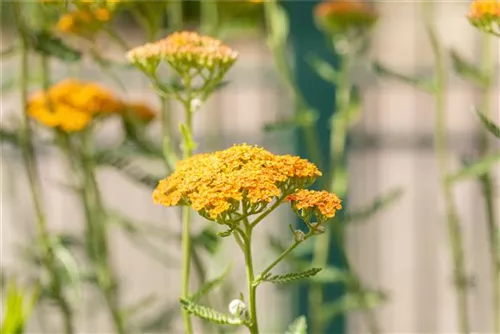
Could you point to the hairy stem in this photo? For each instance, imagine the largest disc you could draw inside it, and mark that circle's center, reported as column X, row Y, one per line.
column 441, row 142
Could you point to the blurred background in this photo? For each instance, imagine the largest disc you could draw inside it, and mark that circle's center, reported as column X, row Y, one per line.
column 402, row 250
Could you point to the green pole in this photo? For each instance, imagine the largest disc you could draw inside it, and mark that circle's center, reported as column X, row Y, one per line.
column 306, row 40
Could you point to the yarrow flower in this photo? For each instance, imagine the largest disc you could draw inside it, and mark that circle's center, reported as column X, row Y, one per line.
column 72, row 104
column 322, row 204
column 345, row 17
column 189, row 54
column 243, row 177
column 485, row 15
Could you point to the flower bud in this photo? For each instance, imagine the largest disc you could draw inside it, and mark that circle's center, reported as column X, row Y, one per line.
column 237, row 308
column 298, row 235
column 317, row 229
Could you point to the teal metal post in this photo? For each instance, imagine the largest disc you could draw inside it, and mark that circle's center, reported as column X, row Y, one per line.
column 305, row 40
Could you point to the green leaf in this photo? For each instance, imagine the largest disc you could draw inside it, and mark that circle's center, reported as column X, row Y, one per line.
column 467, row 70
column 331, row 275
column 298, row 326
column 488, row 124
column 209, row 239
column 476, row 169
column 168, row 153
column 10, row 137
column 69, row 266
column 380, row 203
column 47, row 44
column 290, row 277
column 209, row 314
column 18, row 307
column 324, row 69
column 424, row 84
column 210, row 285
column 278, row 23
column 352, row 302
column 127, row 167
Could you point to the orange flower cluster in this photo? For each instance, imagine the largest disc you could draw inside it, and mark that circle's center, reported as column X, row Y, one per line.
column 322, row 203
column 345, row 16
column 485, row 15
column 215, row 184
column 71, row 104
column 185, row 51
column 84, row 22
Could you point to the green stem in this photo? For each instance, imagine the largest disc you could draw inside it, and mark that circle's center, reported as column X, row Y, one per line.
column 209, row 13
column 339, row 128
column 278, row 48
column 97, row 233
column 175, row 15
column 187, row 150
column 29, row 158
column 487, row 184
column 252, row 289
column 441, row 142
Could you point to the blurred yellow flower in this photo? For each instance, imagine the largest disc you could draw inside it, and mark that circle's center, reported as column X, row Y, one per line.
column 186, row 52
column 71, row 104
column 345, row 16
column 84, row 22
column 242, row 177
column 322, row 203
column 485, row 15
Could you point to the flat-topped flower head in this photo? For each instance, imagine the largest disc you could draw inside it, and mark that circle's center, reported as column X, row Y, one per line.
column 242, row 179
column 191, row 55
column 345, row 17
column 485, row 15
column 321, row 204
column 72, row 104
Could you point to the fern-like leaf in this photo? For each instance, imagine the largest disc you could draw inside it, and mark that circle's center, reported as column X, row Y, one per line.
column 209, row 314
column 290, row 277
column 210, row 285
column 298, row 326
column 488, row 124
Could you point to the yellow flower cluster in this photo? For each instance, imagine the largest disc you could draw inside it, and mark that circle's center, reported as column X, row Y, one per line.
column 185, row 51
column 345, row 16
column 215, row 184
column 83, row 22
column 485, row 15
column 323, row 203
column 71, row 104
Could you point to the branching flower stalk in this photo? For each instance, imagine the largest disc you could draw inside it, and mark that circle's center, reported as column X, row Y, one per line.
column 48, row 257
column 200, row 63
column 231, row 186
column 442, row 152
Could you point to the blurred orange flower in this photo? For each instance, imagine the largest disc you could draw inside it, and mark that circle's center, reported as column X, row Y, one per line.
column 345, row 16
column 84, row 22
column 72, row 104
column 322, row 203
